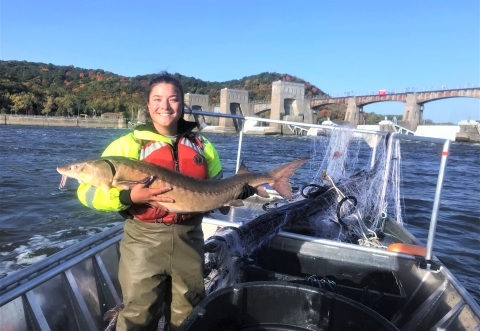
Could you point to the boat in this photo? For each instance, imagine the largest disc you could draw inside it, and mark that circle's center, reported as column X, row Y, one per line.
column 295, row 281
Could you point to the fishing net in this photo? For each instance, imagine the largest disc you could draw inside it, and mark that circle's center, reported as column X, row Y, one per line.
column 354, row 188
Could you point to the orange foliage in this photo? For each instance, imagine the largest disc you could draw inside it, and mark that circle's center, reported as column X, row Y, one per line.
column 326, row 112
column 99, row 77
column 91, row 74
column 81, row 75
column 67, row 83
column 122, row 79
column 67, row 73
column 288, row 78
column 44, row 69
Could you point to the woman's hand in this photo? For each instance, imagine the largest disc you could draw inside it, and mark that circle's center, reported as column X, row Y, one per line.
column 142, row 194
column 247, row 191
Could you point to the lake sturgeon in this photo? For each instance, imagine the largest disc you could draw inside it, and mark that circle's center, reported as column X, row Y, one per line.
column 190, row 195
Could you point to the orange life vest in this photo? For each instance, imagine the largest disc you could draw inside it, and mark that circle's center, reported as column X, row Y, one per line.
column 185, row 156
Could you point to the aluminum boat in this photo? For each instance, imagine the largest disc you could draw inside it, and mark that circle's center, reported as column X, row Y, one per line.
column 74, row 288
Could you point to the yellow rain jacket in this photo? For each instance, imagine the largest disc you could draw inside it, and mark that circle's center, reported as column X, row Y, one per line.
column 129, row 146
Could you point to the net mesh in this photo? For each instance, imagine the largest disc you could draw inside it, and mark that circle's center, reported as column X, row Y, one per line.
column 349, row 198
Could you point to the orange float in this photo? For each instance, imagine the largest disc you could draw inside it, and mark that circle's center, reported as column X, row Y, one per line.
column 407, row 249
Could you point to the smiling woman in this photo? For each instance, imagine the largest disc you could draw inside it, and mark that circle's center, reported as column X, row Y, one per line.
column 165, row 105
column 145, row 279
column 152, row 231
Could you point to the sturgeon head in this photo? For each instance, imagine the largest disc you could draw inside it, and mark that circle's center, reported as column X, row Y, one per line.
column 96, row 172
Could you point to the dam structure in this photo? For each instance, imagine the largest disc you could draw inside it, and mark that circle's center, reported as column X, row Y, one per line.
column 288, row 103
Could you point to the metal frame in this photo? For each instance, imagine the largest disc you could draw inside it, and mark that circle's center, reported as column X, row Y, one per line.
column 444, row 142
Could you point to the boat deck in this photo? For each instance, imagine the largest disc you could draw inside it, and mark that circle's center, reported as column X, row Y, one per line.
column 73, row 289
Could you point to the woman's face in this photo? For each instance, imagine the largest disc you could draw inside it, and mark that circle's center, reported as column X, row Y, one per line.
column 165, row 107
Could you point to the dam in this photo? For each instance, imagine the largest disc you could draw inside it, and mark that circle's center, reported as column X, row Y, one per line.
column 288, row 103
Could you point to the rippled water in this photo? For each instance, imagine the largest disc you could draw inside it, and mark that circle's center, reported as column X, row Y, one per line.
column 37, row 219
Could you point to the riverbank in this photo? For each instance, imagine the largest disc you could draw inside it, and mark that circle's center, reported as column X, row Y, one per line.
column 467, row 131
column 97, row 122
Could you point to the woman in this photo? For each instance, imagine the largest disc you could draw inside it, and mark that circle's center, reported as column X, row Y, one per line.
column 161, row 253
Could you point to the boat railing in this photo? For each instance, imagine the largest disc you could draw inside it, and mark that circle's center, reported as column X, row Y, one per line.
column 445, row 143
column 43, row 270
column 297, row 130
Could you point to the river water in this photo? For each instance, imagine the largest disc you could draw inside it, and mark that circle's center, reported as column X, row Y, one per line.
column 38, row 219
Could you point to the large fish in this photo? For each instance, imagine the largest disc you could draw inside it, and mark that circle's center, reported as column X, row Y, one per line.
column 190, row 195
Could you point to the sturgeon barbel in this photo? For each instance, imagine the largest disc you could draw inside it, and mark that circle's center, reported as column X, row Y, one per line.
column 190, row 195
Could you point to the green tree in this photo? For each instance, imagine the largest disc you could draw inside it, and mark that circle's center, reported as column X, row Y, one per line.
column 65, row 104
column 373, row 118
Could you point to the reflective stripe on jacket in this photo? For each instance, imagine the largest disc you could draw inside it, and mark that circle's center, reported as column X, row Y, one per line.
column 130, row 146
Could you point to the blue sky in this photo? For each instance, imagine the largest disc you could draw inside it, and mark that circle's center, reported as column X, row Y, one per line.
column 340, row 46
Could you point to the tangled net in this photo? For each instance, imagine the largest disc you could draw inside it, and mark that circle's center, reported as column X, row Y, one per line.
column 348, row 200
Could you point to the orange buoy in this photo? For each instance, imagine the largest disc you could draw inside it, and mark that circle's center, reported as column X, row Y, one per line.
column 407, row 249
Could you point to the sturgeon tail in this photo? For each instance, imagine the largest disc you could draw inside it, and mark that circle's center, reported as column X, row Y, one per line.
column 281, row 177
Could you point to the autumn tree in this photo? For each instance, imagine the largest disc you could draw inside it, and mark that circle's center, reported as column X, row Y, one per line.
column 105, row 91
column 48, row 105
column 22, row 101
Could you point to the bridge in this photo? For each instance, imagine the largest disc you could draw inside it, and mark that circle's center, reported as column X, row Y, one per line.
column 288, row 103
column 414, row 103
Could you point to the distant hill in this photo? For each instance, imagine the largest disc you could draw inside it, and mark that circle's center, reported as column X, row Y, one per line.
column 39, row 88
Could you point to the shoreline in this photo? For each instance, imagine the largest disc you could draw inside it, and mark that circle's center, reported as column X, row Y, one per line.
column 465, row 131
column 121, row 123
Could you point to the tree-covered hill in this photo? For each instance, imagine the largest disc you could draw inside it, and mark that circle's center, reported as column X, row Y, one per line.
column 39, row 88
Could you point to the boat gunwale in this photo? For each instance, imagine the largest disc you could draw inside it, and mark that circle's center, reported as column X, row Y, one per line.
column 54, row 264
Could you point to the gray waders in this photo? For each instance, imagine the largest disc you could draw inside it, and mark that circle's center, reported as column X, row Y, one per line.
column 160, row 262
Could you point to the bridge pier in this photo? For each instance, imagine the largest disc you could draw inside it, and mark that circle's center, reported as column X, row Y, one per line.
column 288, row 103
column 352, row 115
column 234, row 102
column 413, row 113
column 198, row 102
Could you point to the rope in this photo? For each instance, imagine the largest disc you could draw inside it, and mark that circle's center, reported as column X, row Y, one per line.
column 374, row 241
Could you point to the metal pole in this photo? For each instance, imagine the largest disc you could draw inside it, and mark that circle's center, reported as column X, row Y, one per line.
column 374, row 152
column 436, row 202
column 240, row 138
